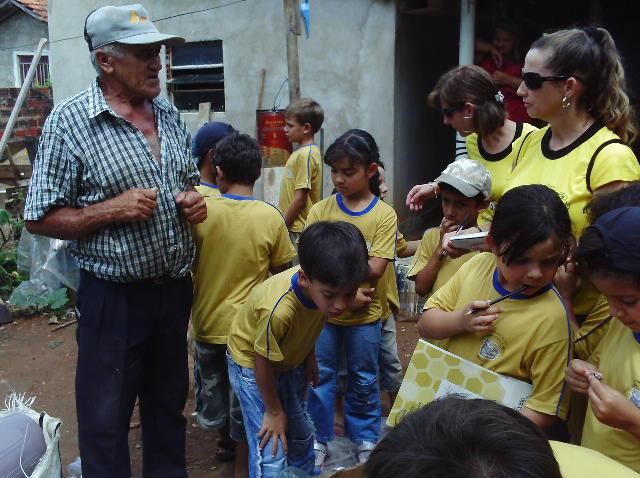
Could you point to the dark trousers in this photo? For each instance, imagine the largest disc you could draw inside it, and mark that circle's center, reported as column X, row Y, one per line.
column 132, row 344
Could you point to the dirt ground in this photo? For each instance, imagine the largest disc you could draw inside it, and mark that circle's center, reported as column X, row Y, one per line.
column 39, row 362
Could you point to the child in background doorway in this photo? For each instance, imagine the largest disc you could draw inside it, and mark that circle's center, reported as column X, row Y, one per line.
column 527, row 337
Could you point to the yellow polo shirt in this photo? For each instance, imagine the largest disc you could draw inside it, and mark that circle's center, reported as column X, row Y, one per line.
column 378, row 224
column 499, row 164
column 592, row 330
column 302, row 171
column 239, row 241
column 618, row 359
column 206, row 189
column 565, row 170
column 579, row 462
column 531, row 340
column 448, row 266
column 278, row 322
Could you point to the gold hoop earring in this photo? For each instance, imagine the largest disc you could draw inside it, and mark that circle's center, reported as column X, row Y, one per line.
column 566, row 102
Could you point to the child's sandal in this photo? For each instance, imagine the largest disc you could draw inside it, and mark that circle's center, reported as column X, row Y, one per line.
column 364, row 450
column 320, row 451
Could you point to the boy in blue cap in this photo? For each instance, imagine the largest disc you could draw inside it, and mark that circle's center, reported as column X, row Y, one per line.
column 203, row 148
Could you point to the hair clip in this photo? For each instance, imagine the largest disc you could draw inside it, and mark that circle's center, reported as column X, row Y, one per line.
column 499, row 97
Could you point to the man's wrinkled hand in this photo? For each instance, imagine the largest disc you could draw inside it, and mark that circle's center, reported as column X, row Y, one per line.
column 135, row 204
column 192, row 205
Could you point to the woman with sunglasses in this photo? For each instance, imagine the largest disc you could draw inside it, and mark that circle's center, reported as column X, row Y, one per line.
column 574, row 80
column 472, row 104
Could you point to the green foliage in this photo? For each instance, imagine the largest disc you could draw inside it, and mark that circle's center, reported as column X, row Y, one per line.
column 10, row 228
column 28, row 301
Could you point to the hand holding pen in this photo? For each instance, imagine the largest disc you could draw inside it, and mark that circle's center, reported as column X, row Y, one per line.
column 464, row 222
column 480, row 315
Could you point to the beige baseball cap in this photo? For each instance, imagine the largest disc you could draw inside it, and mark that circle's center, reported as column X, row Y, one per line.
column 467, row 176
column 129, row 24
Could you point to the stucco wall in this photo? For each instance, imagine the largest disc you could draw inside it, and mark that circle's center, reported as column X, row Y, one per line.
column 17, row 30
column 347, row 64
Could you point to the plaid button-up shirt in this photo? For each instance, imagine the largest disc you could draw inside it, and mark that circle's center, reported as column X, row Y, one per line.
column 88, row 154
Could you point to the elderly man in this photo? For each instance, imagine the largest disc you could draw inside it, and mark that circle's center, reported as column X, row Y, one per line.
column 114, row 174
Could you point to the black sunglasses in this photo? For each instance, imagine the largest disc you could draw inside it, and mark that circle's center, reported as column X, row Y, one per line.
column 533, row 81
column 449, row 110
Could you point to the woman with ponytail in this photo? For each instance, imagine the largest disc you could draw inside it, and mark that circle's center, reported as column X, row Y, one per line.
column 472, row 104
column 574, row 80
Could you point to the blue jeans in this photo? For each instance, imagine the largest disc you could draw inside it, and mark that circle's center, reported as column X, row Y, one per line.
column 389, row 362
column 292, row 387
column 362, row 400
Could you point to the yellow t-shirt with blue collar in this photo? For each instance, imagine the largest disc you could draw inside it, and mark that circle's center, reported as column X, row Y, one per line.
column 567, row 171
column 448, row 266
column 618, row 359
column 378, row 224
column 236, row 245
column 303, row 170
column 499, row 164
column 207, row 189
column 531, row 340
column 278, row 322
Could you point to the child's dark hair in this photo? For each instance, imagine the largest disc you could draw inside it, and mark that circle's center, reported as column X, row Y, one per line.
column 456, row 437
column 307, row 110
column 360, row 147
column 238, row 156
column 478, row 198
column 528, row 215
column 602, row 203
column 334, row 253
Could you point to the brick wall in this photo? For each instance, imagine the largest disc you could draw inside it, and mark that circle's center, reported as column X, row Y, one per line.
column 33, row 114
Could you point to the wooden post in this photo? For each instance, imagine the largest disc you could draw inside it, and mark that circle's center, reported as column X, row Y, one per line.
column 292, row 24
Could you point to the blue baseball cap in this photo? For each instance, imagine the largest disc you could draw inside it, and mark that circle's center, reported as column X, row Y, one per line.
column 620, row 230
column 208, row 136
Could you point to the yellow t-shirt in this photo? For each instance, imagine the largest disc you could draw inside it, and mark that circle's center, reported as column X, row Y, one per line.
column 531, row 340
column 236, row 245
column 302, row 171
column 278, row 322
column 206, row 189
column 592, row 330
column 618, row 359
column 579, row 462
column 565, row 170
column 499, row 164
column 429, row 243
column 378, row 224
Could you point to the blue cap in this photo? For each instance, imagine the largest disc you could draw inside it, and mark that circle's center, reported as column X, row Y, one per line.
column 208, row 136
column 620, row 231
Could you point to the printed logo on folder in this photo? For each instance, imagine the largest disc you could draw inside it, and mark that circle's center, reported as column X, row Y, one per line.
column 434, row 373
